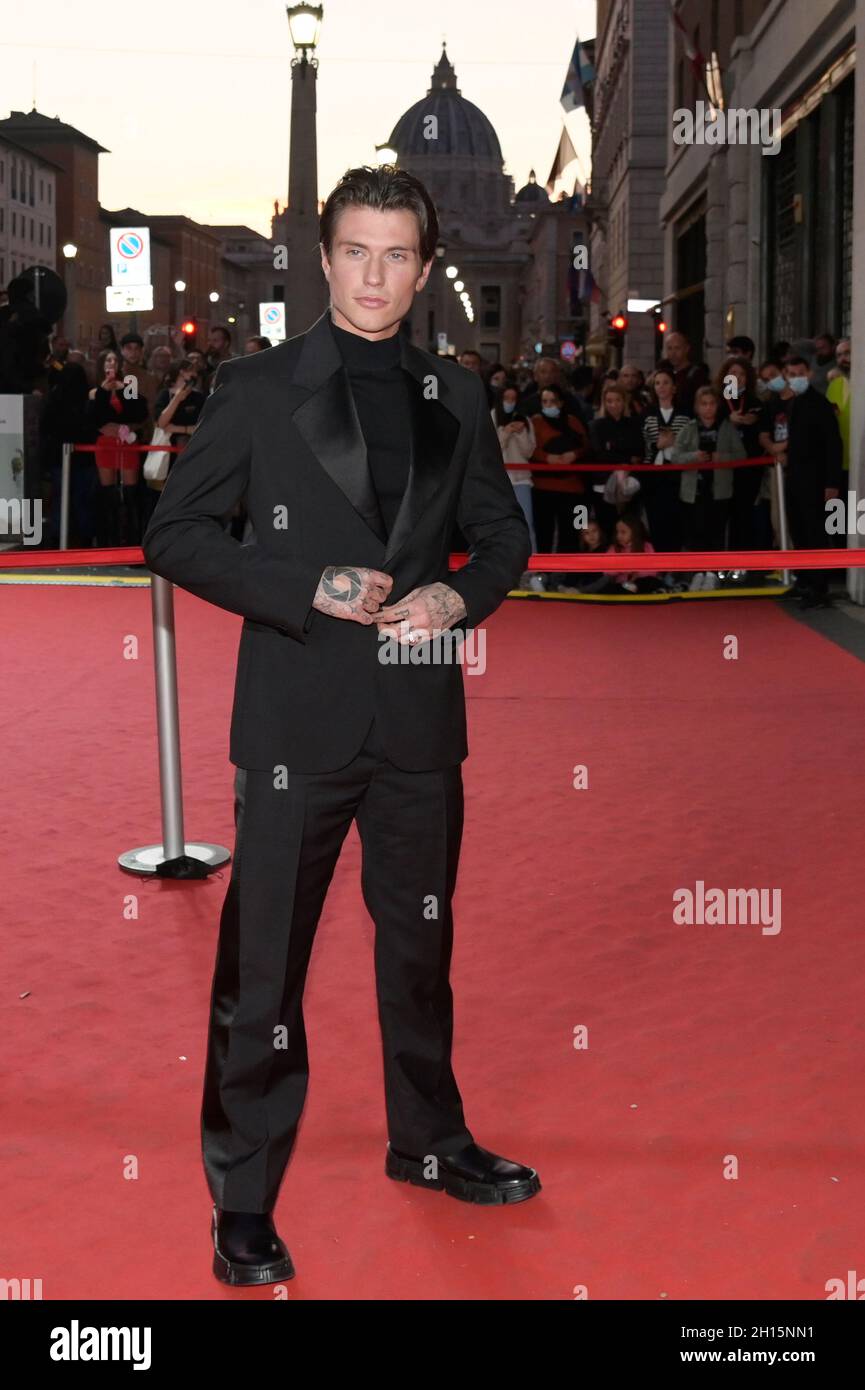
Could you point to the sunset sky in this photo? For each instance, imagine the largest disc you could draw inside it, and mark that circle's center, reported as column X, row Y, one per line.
column 192, row 100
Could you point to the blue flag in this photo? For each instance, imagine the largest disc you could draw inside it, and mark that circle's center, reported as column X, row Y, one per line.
column 580, row 73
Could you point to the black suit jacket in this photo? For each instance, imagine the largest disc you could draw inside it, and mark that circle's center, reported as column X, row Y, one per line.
column 281, row 430
column 815, row 452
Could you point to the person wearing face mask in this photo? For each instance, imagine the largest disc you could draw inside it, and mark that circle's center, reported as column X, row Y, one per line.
column 517, row 438
column 813, row 457
column 548, row 372
column 560, row 437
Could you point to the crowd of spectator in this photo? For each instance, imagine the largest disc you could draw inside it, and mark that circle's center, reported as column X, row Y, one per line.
column 793, row 407
column 119, row 396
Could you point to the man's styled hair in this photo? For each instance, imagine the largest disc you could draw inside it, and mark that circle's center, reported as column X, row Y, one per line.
column 742, row 344
column 385, row 189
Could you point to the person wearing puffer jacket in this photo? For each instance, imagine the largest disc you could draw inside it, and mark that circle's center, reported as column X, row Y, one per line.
column 707, row 493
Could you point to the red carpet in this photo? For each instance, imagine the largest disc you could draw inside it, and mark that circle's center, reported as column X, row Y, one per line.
column 704, row 1042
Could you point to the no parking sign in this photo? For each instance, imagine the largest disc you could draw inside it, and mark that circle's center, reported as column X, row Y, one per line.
column 130, row 256
column 271, row 321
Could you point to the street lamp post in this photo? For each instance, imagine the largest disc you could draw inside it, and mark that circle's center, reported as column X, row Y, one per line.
column 179, row 303
column 304, row 292
column 70, row 252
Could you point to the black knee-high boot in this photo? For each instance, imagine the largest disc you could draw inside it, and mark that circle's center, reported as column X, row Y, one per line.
column 107, row 515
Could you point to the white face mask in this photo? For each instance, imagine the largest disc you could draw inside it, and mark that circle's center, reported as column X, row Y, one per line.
column 509, row 406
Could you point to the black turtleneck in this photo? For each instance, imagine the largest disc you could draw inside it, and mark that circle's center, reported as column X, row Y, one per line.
column 380, row 391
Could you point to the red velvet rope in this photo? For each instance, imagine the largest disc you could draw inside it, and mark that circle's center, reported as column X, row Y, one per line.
column 541, row 467
column 653, row 560
column 644, row 467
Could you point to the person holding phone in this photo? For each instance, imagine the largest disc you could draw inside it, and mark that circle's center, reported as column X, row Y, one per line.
column 114, row 408
column 176, row 410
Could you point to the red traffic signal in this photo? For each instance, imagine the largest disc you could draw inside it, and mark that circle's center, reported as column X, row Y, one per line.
column 188, row 327
column 619, row 322
column 662, row 327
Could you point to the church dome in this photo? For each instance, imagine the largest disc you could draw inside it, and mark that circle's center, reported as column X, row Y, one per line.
column 463, row 129
column 532, row 192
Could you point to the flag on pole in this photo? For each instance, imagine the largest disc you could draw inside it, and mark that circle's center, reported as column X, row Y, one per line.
column 583, row 286
column 692, row 53
column 565, row 155
column 580, row 73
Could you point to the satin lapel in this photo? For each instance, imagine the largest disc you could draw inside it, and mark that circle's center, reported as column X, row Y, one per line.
column 329, row 424
column 433, row 439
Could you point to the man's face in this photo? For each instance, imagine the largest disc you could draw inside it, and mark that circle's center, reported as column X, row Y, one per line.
column 374, row 270
column 842, row 355
column 823, row 349
column 676, row 349
column 546, row 373
column 794, row 369
column 629, row 377
column 215, row 342
column 471, row 360
column 131, row 354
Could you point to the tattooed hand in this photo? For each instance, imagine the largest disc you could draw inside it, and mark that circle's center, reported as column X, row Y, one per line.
column 425, row 612
column 352, row 591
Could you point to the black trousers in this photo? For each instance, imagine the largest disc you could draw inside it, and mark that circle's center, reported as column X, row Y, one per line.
column 289, row 831
column 806, row 514
column 705, row 523
column 554, row 513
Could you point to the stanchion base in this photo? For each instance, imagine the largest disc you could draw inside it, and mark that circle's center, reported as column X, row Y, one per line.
column 197, row 861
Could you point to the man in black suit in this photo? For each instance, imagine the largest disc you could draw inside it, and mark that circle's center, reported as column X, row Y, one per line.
column 813, row 452
column 351, row 445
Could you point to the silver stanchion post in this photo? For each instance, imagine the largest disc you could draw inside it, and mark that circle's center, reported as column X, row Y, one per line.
column 65, row 482
column 782, row 514
column 174, row 858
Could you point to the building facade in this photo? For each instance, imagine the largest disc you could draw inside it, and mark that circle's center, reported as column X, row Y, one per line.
column 629, row 151
column 75, row 157
column 493, row 235
column 28, row 210
column 763, row 243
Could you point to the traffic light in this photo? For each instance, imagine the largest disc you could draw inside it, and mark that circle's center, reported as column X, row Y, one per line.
column 661, row 330
column 189, row 328
column 618, row 329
